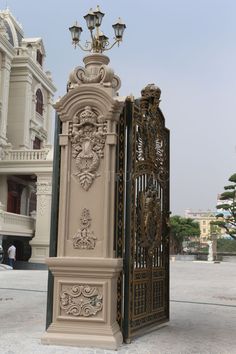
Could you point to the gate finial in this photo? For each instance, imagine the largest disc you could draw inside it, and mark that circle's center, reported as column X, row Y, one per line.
column 151, row 90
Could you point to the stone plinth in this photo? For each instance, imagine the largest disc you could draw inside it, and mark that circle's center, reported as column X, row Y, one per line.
column 85, row 291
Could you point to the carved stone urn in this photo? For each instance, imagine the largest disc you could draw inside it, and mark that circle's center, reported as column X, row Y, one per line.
column 85, row 270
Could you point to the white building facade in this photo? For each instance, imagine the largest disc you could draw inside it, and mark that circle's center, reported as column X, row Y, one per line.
column 26, row 97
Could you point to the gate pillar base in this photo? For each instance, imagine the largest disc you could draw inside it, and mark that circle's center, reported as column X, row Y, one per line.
column 110, row 341
column 85, row 301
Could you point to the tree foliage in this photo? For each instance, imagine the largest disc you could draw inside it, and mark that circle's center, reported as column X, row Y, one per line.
column 226, row 245
column 182, row 229
column 226, row 218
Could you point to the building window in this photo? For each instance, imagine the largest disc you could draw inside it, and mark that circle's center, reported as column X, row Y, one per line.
column 204, row 231
column 14, row 197
column 39, row 57
column 37, row 144
column 39, row 102
column 204, row 222
column 32, row 203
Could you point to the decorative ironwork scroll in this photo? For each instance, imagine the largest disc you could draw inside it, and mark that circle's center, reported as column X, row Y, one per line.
column 81, row 300
column 88, row 136
column 84, row 238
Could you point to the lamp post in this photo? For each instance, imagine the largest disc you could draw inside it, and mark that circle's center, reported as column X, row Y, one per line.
column 99, row 42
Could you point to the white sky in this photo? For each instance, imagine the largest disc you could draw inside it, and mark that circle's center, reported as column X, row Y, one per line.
column 187, row 48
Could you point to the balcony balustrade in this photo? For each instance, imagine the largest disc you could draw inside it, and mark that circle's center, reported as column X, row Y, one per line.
column 25, row 155
column 16, row 224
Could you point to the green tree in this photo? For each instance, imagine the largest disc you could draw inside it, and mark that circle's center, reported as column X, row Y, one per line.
column 225, row 245
column 182, row 229
column 227, row 218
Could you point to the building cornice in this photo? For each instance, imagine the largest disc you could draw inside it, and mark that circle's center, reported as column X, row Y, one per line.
column 25, row 62
column 18, row 167
column 6, row 47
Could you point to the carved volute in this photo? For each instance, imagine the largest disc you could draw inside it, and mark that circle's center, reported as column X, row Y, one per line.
column 96, row 71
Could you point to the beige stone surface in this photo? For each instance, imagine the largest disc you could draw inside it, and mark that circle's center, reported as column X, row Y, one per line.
column 85, row 272
column 85, row 291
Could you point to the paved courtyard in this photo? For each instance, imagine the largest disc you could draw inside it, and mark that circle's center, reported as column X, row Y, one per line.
column 203, row 313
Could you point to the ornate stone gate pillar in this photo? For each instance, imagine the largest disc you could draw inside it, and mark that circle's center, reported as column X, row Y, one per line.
column 85, row 270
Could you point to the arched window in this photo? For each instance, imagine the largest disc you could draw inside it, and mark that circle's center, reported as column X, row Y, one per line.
column 39, row 102
column 39, row 57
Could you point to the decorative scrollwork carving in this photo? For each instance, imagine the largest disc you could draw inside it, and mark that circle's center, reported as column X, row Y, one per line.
column 105, row 76
column 81, row 300
column 88, row 136
column 151, row 135
column 84, row 238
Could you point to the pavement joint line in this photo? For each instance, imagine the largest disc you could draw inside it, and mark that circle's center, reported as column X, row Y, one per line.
column 202, row 303
column 36, row 291
column 180, row 301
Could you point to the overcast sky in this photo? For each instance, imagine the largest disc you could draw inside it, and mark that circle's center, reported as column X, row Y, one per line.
column 188, row 49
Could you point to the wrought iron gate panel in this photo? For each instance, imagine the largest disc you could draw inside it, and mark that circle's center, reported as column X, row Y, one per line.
column 120, row 208
column 143, row 211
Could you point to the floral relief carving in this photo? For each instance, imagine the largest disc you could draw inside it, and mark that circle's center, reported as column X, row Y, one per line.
column 88, row 136
column 84, row 238
column 81, row 300
column 44, row 187
column 42, row 204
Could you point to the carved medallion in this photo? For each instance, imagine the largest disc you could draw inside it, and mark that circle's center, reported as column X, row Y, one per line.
column 88, row 136
column 84, row 238
column 81, row 300
column 149, row 218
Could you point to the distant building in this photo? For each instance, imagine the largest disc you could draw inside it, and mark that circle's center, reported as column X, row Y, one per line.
column 26, row 93
column 204, row 218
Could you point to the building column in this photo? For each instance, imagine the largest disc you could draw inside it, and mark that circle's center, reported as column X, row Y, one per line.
column 3, row 190
column 28, row 109
column 4, row 96
column 40, row 242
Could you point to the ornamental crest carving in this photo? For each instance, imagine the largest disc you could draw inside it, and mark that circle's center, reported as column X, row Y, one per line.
column 104, row 76
column 84, row 238
column 88, row 136
column 149, row 218
column 81, row 300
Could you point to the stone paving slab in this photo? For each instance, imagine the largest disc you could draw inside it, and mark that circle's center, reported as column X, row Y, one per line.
column 203, row 314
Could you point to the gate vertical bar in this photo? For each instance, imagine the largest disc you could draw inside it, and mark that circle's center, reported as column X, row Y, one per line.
column 166, row 223
column 54, row 216
column 128, row 218
column 120, row 208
